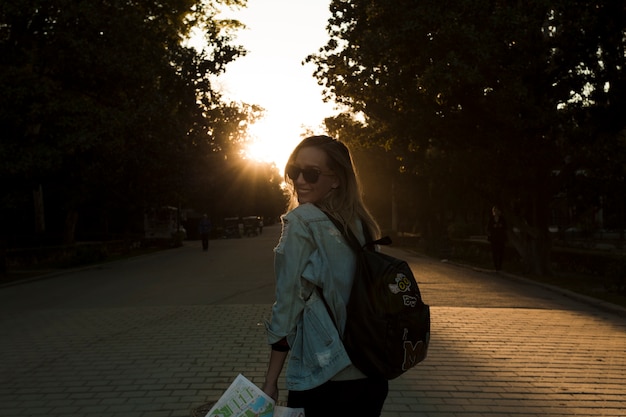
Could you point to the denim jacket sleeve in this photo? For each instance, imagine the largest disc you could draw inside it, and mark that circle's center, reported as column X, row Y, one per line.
column 290, row 258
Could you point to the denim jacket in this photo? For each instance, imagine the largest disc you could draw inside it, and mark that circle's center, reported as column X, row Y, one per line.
column 312, row 253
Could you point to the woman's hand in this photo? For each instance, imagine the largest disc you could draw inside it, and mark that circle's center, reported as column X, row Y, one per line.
column 277, row 360
column 271, row 389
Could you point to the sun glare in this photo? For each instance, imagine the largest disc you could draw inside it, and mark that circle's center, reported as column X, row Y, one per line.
column 272, row 139
column 268, row 142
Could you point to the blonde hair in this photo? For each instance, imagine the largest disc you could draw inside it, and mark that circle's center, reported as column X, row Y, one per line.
column 345, row 202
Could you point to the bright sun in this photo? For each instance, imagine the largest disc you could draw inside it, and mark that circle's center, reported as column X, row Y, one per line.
column 273, row 138
column 268, row 142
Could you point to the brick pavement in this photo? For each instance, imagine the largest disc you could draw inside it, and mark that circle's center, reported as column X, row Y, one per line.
column 162, row 361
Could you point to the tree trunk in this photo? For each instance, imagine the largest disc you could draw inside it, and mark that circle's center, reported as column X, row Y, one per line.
column 3, row 256
column 533, row 248
column 69, row 234
column 40, row 218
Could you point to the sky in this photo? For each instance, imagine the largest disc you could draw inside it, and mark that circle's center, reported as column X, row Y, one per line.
column 279, row 36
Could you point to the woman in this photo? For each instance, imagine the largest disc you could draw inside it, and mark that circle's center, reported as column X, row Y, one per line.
column 312, row 257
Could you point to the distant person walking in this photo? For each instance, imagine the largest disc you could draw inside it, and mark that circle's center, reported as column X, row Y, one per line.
column 496, row 234
column 204, row 229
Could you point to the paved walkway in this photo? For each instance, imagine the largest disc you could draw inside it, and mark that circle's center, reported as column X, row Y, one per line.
column 520, row 355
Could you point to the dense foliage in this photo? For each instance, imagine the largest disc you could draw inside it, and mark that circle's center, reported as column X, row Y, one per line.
column 481, row 103
column 106, row 110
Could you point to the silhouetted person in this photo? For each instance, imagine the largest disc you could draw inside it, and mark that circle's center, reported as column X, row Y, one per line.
column 496, row 234
column 204, row 228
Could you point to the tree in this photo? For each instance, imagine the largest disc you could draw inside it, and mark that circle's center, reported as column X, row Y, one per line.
column 596, row 152
column 104, row 106
column 479, row 97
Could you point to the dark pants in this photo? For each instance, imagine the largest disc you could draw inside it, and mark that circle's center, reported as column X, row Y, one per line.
column 205, row 241
column 359, row 397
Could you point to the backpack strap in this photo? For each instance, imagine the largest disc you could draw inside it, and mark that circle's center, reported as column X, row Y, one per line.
column 353, row 241
column 347, row 234
column 356, row 246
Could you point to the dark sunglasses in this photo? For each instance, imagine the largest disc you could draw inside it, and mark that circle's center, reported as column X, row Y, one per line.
column 310, row 175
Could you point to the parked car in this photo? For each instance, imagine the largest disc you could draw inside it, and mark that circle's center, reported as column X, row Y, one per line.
column 231, row 228
column 252, row 225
